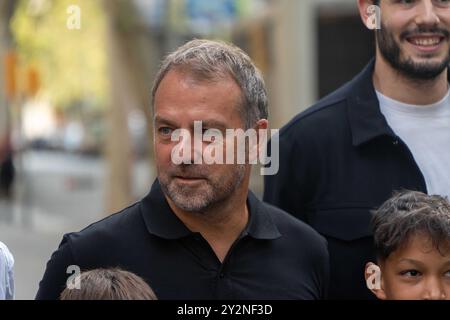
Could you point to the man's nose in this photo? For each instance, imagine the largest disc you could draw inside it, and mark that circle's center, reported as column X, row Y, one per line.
column 195, row 144
column 426, row 14
column 188, row 147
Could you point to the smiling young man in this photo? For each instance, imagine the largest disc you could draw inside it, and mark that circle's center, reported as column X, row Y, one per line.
column 387, row 129
column 412, row 241
column 200, row 233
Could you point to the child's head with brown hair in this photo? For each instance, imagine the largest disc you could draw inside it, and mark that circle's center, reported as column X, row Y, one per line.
column 412, row 242
column 109, row 284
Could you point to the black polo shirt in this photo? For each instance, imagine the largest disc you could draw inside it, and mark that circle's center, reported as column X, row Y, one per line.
column 276, row 256
column 339, row 160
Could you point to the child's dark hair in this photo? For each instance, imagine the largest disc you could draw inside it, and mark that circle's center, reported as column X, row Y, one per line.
column 109, row 284
column 408, row 213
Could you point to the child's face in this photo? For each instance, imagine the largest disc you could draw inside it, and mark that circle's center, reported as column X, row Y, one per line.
column 417, row 271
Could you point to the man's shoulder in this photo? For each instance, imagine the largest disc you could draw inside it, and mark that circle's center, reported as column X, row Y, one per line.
column 324, row 112
column 108, row 230
column 101, row 244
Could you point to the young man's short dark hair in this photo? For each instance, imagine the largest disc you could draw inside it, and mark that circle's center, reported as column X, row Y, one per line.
column 109, row 284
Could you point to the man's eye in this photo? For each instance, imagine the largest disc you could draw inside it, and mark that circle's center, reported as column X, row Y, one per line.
column 165, row 131
column 411, row 273
column 447, row 274
column 443, row 3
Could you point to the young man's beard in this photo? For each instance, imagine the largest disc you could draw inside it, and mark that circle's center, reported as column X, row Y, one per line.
column 392, row 53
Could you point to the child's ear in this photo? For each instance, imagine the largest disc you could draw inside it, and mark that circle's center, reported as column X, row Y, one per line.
column 374, row 280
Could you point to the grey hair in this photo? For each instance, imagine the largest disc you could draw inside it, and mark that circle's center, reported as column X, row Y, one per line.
column 408, row 213
column 207, row 60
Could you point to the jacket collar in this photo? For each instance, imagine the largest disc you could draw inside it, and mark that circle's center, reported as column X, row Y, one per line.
column 366, row 120
column 161, row 221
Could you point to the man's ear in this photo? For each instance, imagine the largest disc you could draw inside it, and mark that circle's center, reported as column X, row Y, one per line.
column 370, row 14
column 374, row 280
column 262, row 124
column 261, row 128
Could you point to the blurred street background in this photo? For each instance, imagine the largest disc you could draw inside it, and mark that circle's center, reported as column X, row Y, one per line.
column 75, row 80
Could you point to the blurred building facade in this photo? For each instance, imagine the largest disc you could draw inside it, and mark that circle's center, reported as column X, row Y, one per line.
column 306, row 49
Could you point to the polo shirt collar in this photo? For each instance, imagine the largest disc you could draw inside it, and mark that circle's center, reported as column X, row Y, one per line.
column 159, row 218
column 161, row 221
column 260, row 225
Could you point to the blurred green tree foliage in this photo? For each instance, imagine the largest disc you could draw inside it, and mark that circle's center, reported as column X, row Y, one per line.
column 71, row 62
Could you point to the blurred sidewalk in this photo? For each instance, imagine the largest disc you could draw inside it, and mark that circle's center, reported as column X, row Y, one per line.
column 56, row 193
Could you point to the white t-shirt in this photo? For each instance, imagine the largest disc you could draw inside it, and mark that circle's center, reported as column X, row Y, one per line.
column 6, row 273
column 426, row 131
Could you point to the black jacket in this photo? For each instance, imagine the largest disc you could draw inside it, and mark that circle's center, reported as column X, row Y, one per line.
column 276, row 257
column 339, row 160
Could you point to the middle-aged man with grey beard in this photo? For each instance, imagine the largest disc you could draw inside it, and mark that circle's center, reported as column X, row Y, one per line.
column 200, row 234
column 387, row 129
